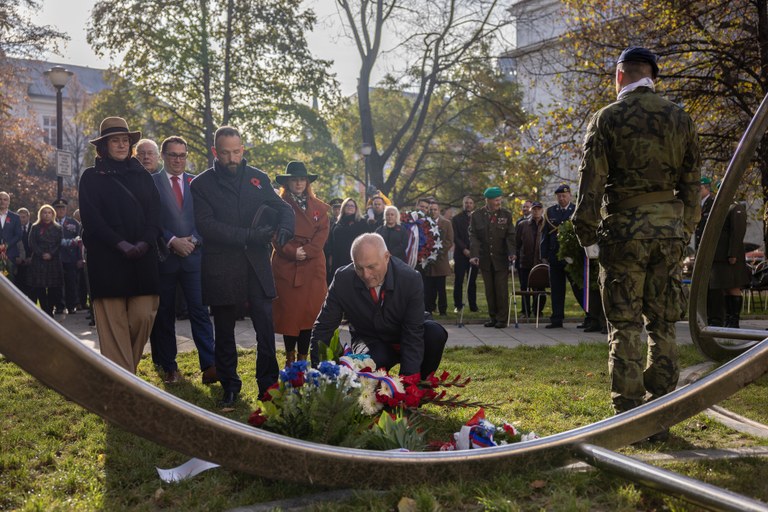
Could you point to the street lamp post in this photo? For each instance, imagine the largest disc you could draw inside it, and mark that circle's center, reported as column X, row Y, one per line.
column 59, row 78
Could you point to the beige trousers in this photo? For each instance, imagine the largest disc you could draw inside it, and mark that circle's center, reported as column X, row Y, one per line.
column 124, row 325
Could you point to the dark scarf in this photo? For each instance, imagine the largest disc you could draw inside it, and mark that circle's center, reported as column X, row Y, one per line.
column 300, row 200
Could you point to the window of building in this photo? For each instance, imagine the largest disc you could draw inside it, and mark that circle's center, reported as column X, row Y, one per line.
column 49, row 130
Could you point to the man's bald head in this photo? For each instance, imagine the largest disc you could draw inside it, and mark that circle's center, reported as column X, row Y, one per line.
column 370, row 259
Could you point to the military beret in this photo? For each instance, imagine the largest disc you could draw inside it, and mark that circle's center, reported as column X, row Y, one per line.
column 706, row 181
column 60, row 202
column 537, row 204
column 336, row 201
column 638, row 54
column 492, row 192
column 563, row 188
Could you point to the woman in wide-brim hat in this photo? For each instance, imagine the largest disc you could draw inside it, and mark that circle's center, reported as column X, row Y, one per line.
column 299, row 266
column 120, row 212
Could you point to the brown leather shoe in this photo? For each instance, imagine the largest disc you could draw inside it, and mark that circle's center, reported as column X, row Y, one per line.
column 172, row 377
column 209, row 375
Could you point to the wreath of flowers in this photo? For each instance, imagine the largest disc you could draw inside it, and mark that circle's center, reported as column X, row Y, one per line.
column 352, row 403
column 4, row 263
column 425, row 242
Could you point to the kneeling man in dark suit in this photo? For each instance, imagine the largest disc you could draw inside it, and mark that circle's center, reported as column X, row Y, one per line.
column 383, row 299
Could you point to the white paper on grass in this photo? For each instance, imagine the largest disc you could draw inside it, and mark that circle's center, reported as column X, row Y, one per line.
column 187, row 470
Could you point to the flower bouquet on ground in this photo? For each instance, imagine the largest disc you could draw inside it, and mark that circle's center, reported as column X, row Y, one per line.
column 352, row 404
column 5, row 267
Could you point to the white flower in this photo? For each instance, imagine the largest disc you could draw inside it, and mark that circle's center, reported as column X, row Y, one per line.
column 529, row 437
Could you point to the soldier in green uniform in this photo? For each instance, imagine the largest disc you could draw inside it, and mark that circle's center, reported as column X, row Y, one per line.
column 492, row 248
column 639, row 201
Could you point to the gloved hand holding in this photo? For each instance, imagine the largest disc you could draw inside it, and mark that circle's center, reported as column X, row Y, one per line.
column 260, row 235
column 283, row 236
column 126, row 248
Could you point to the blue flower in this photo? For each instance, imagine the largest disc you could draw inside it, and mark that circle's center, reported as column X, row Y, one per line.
column 329, row 368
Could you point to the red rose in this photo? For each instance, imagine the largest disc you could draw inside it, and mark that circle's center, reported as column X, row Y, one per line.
column 256, row 418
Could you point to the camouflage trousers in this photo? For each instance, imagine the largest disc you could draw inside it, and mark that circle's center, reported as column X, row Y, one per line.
column 640, row 284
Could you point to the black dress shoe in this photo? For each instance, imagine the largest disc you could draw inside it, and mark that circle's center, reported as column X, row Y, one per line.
column 582, row 325
column 500, row 325
column 490, row 323
column 474, row 309
column 228, row 400
column 554, row 325
column 594, row 328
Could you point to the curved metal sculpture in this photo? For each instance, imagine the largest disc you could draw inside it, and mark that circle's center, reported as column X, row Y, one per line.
column 47, row 351
column 44, row 349
column 707, row 338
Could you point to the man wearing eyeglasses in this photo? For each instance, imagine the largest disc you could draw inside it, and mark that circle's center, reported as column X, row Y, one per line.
column 147, row 152
column 181, row 268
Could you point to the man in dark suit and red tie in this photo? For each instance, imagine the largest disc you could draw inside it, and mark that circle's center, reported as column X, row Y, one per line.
column 182, row 267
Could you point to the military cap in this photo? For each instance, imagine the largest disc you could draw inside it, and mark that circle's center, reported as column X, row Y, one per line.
column 336, row 201
column 705, row 180
column 60, row 202
column 638, row 54
column 492, row 192
column 537, row 204
column 563, row 188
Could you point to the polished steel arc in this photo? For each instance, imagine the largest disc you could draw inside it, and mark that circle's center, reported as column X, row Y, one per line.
column 709, row 340
column 47, row 351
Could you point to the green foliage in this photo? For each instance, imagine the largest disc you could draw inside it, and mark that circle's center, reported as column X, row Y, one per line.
column 390, row 433
column 322, row 414
column 712, row 55
column 207, row 63
column 333, row 350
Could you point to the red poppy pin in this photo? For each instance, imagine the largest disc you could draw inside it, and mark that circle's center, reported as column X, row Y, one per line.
column 189, row 179
column 315, row 215
column 256, row 183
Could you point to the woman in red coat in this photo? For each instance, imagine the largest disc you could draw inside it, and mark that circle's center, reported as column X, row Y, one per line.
column 299, row 265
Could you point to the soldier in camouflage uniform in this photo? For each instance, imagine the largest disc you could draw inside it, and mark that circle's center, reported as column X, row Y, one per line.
column 492, row 248
column 639, row 201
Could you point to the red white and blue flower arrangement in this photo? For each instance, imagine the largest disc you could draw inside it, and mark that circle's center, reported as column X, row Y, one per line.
column 424, row 241
column 351, row 404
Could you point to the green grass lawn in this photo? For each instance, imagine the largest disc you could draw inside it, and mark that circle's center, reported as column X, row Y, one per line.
column 56, row 456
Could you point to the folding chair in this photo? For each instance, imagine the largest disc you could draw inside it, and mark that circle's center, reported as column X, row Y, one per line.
column 538, row 282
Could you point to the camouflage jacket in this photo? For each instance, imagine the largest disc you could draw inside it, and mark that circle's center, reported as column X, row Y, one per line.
column 638, row 145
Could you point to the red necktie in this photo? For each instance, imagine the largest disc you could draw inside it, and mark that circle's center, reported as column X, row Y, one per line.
column 374, row 295
column 177, row 191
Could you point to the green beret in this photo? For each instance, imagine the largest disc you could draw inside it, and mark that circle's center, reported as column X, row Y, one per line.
column 492, row 192
column 706, row 181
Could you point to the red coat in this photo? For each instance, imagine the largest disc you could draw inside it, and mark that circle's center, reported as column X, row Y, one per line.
column 301, row 285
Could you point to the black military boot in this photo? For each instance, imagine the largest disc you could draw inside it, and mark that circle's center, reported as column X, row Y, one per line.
column 715, row 308
column 733, row 304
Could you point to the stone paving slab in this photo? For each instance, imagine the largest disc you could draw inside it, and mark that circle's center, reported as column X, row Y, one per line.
column 470, row 335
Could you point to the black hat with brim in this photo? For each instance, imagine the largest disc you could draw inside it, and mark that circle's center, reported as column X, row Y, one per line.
column 295, row 170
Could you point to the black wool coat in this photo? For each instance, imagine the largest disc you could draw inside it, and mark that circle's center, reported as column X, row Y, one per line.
column 397, row 319
column 110, row 215
column 396, row 239
column 224, row 211
column 342, row 235
column 42, row 273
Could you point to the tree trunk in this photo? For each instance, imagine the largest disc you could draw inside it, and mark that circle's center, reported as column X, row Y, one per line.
column 206, row 70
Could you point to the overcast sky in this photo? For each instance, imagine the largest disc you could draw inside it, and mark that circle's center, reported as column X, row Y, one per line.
column 71, row 16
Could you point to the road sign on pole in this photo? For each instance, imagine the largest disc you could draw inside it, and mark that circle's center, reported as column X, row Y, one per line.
column 63, row 163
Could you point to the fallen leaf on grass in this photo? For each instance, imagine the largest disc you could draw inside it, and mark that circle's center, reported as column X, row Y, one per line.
column 538, row 484
column 406, row 505
column 590, row 374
